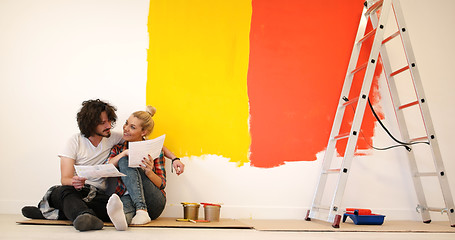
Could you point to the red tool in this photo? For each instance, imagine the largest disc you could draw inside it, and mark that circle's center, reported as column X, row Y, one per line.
column 360, row 211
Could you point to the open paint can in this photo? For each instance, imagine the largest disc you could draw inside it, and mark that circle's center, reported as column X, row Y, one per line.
column 212, row 212
column 191, row 211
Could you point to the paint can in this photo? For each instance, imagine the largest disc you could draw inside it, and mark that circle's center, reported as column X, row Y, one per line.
column 212, row 212
column 191, row 211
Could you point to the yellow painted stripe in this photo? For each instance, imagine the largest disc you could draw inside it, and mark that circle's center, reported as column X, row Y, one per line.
column 198, row 61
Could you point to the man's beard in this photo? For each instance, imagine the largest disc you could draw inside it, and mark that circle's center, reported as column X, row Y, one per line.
column 106, row 133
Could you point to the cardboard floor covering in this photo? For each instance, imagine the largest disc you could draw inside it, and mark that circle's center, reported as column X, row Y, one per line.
column 321, row 226
column 160, row 222
column 283, row 225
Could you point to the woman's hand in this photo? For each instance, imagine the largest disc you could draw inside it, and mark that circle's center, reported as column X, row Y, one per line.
column 147, row 165
column 178, row 166
column 78, row 182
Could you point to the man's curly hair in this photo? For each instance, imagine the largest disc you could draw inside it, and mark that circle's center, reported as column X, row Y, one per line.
column 89, row 117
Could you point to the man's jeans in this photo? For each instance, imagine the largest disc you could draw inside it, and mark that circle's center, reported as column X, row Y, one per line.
column 70, row 201
column 143, row 194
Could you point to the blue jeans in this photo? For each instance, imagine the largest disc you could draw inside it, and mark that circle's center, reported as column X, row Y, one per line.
column 143, row 194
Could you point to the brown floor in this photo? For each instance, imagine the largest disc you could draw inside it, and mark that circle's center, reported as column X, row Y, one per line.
column 286, row 225
column 263, row 229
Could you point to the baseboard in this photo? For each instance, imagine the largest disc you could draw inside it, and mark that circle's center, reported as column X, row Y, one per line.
column 14, row 207
column 279, row 212
column 246, row 212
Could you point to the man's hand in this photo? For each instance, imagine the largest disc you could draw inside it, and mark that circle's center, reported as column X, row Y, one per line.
column 78, row 182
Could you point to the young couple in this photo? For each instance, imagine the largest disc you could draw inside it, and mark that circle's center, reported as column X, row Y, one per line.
column 137, row 199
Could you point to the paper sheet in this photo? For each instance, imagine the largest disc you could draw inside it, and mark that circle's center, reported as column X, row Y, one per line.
column 137, row 151
column 97, row 171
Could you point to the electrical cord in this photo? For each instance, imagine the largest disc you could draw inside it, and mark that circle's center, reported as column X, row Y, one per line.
column 390, row 147
column 401, row 144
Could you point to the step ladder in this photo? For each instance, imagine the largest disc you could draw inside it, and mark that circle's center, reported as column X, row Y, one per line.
column 333, row 212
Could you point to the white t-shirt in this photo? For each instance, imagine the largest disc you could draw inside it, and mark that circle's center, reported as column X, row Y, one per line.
column 82, row 150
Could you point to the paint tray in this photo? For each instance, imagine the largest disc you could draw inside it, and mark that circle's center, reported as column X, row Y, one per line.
column 366, row 219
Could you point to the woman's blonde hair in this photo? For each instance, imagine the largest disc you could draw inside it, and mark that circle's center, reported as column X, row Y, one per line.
column 147, row 120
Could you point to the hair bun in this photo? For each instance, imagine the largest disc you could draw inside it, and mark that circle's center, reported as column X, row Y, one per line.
column 151, row 110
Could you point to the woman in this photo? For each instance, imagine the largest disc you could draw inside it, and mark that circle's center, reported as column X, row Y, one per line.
column 142, row 189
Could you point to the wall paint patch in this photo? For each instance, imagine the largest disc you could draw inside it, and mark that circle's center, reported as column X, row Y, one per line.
column 198, row 60
column 299, row 55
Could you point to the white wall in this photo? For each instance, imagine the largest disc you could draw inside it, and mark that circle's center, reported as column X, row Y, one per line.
column 56, row 53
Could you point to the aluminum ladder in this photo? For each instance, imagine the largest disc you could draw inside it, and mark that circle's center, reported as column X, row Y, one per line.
column 333, row 212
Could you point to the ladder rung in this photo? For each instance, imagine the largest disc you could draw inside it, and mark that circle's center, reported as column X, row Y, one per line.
column 322, row 207
column 399, row 71
column 334, row 170
column 359, row 68
column 373, row 8
column 341, row 136
column 408, row 105
column 418, row 139
column 391, row 37
column 349, row 102
column 368, row 35
column 427, row 174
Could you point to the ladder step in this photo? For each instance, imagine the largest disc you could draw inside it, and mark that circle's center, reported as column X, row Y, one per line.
column 408, row 105
column 418, row 139
column 322, row 207
column 334, row 170
column 349, row 102
column 427, row 174
column 359, row 68
column 399, row 71
column 368, row 35
column 341, row 136
column 391, row 37
column 374, row 7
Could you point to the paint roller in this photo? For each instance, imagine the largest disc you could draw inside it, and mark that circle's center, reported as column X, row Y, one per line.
column 358, row 211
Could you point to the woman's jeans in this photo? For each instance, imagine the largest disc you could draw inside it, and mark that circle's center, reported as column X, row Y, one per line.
column 143, row 194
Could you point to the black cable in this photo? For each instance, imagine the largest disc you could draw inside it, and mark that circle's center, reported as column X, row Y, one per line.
column 401, row 144
column 390, row 147
column 404, row 144
column 382, row 125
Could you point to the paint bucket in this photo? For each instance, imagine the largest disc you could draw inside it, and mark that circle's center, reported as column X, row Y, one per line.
column 212, row 212
column 191, row 211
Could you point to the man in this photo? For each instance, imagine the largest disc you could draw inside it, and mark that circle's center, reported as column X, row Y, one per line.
column 81, row 200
